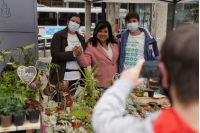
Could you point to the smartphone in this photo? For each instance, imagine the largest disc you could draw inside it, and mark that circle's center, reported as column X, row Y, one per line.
column 150, row 70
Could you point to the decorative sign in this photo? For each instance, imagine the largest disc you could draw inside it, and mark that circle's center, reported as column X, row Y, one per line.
column 27, row 74
column 116, row 77
column 41, row 65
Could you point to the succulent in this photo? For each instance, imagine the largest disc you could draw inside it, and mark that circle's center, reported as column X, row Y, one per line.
column 129, row 101
column 126, row 112
column 131, row 108
column 149, row 107
column 139, row 108
column 144, row 113
column 79, row 114
column 136, row 102
column 165, row 103
column 156, row 108
column 135, row 114
column 152, row 110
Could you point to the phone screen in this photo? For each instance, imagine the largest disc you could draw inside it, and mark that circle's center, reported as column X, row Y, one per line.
column 150, row 70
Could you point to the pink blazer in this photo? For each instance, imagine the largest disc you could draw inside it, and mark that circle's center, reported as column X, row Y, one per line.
column 93, row 55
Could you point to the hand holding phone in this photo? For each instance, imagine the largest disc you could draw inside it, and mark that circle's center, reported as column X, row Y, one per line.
column 150, row 70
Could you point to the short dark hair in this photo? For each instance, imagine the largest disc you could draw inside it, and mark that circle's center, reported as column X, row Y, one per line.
column 180, row 54
column 75, row 15
column 132, row 15
column 101, row 25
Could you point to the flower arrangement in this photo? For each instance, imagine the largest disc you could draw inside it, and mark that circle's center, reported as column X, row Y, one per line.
column 33, row 106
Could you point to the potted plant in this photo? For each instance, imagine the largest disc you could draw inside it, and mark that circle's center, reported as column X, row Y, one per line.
column 147, row 108
column 139, row 109
column 136, row 102
column 156, row 108
column 63, row 117
column 154, row 82
column 165, row 105
column 140, row 92
column 6, row 111
column 131, row 109
column 145, row 105
column 126, row 112
column 67, row 128
column 87, row 124
column 144, row 114
column 135, row 114
column 150, row 93
column 49, row 123
column 34, row 108
column 19, row 111
column 51, row 108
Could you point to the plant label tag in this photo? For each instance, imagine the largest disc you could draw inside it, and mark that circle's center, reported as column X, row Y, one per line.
column 41, row 65
column 27, row 74
column 116, row 77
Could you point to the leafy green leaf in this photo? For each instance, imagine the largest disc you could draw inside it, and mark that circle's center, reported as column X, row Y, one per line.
column 29, row 46
column 1, row 40
column 12, row 59
column 20, row 48
column 1, row 58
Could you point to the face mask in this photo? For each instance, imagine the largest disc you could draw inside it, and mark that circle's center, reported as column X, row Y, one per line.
column 132, row 26
column 166, row 90
column 73, row 26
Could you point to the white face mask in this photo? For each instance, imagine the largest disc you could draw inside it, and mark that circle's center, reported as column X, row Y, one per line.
column 132, row 26
column 73, row 26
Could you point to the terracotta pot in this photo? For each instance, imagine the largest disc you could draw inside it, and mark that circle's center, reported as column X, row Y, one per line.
column 69, row 101
column 6, row 121
column 139, row 111
column 66, row 112
column 148, row 110
column 61, row 109
column 89, row 114
column 76, row 124
column 47, row 112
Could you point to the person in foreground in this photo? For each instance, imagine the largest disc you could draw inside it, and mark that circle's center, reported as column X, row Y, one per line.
column 180, row 80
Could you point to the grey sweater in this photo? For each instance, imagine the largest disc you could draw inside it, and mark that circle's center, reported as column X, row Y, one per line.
column 108, row 112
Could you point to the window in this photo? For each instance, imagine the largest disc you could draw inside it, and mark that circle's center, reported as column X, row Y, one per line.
column 76, row 5
column 63, row 17
column 93, row 19
column 47, row 18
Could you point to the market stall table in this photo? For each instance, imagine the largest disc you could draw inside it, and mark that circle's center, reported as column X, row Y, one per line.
column 29, row 127
column 146, row 99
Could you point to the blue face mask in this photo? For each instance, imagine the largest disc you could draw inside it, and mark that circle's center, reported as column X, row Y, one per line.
column 73, row 26
column 132, row 26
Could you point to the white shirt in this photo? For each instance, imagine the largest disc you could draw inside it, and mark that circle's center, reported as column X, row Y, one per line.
column 72, row 65
column 134, row 50
column 109, row 52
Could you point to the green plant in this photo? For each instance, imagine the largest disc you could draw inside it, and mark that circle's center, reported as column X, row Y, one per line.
column 131, row 108
column 156, row 108
column 135, row 114
column 87, row 124
column 78, row 114
column 136, row 102
column 149, row 107
column 152, row 110
column 89, row 82
column 125, row 112
column 64, row 116
column 50, row 121
column 90, row 102
column 139, row 108
column 66, row 127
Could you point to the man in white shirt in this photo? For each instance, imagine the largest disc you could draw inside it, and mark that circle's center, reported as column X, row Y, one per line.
column 136, row 43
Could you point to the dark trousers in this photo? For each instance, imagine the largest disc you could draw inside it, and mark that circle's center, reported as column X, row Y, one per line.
column 73, row 92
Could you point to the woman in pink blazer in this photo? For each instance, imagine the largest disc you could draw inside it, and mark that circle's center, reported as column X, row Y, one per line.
column 103, row 46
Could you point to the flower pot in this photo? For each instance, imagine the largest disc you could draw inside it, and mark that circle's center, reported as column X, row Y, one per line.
column 59, row 109
column 47, row 112
column 6, row 121
column 76, row 124
column 139, row 94
column 152, row 104
column 34, row 116
column 27, row 117
column 148, row 110
column 69, row 101
column 18, row 119
column 150, row 93
column 139, row 111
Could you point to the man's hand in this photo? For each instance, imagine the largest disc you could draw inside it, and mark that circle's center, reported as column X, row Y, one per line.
column 133, row 74
column 77, row 50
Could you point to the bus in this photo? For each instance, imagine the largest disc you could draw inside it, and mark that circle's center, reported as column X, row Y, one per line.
column 51, row 20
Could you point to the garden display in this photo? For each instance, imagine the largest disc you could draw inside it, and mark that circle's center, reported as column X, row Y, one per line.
column 19, row 86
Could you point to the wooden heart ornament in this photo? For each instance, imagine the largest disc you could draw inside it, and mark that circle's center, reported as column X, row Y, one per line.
column 27, row 74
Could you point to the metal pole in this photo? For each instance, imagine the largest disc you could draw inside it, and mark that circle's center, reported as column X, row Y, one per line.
column 173, row 13
column 87, row 20
column 103, row 10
